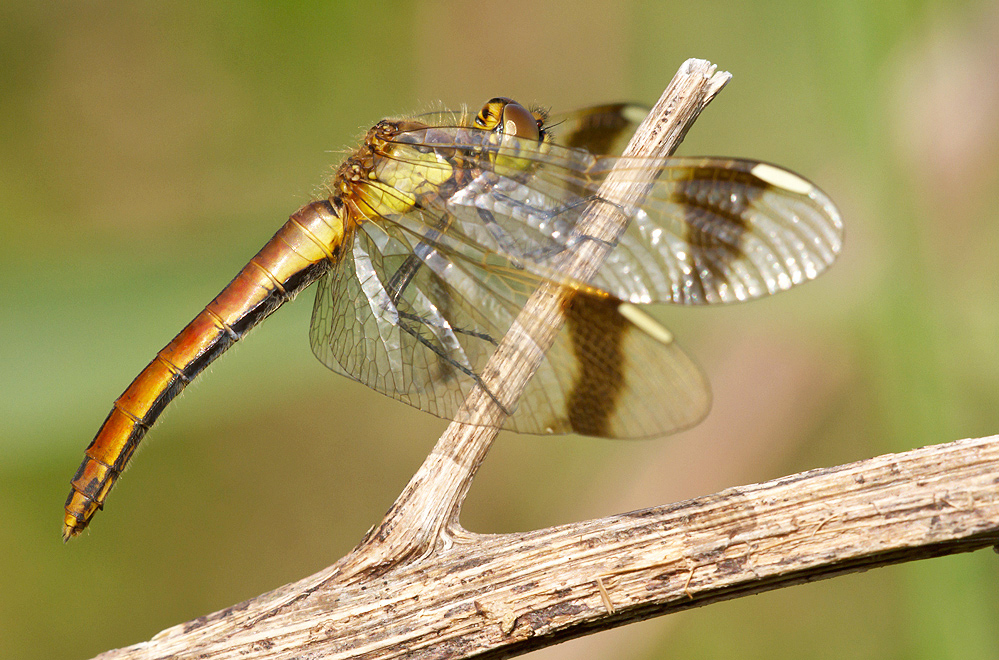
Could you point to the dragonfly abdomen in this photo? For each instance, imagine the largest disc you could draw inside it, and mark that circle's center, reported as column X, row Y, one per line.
column 298, row 254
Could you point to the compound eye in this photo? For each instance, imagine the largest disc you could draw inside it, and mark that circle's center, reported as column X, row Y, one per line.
column 491, row 113
column 517, row 121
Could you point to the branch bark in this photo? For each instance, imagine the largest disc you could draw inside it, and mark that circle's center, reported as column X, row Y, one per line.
column 420, row 586
column 500, row 595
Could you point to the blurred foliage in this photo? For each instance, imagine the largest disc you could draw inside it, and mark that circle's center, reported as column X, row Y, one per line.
column 147, row 150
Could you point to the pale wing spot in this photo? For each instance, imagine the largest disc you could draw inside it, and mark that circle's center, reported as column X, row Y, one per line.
column 781, row 178
column 635, row 114
column 645, row 323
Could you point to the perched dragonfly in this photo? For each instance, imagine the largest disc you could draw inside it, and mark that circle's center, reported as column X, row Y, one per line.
column 437, row 229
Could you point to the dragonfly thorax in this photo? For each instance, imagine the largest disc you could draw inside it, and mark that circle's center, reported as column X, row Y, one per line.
column 387, row 175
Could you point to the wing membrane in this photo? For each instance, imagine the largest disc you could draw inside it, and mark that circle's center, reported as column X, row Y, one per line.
column 721, row 230
column 602, row 129
column 604, row 375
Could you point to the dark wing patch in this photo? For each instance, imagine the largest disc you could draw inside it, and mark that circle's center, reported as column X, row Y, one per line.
column 603, row 129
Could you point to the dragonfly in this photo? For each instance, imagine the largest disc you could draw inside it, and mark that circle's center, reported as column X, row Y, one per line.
column 435, row 231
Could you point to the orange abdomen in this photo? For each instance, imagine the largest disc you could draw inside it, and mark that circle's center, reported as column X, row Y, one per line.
column 301, row 251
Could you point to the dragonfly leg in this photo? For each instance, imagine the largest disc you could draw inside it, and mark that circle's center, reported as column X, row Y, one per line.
column 461, row 331
column 396, row 287
column 446, row 359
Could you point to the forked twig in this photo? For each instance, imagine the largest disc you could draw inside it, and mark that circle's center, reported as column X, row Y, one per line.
column 427, row 510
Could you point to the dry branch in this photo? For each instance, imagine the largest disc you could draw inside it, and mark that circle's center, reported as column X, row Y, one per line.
column 505, row 594
column 419, row 586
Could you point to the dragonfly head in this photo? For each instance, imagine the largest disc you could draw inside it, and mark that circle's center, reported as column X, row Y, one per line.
column 508, row 117
column 518, row 132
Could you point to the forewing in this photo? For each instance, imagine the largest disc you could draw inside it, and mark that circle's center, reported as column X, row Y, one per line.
column 710, row 230
column 721, row 230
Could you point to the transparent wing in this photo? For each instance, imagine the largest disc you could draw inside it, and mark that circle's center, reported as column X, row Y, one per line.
column 711, row 230
column 418, row 340
column 722, row 230
column 416, row 321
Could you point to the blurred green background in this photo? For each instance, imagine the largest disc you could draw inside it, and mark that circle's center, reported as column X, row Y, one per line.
column 147, row 150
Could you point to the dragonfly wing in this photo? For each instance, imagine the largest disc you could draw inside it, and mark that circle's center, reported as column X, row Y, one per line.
column 711, row 230
column 403, row 341
column 718, row 231
column 619, row 374
column 602, row 129
column 417, row 321
column 424, row 296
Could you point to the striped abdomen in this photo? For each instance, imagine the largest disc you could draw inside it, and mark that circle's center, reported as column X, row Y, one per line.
column 296, row 256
